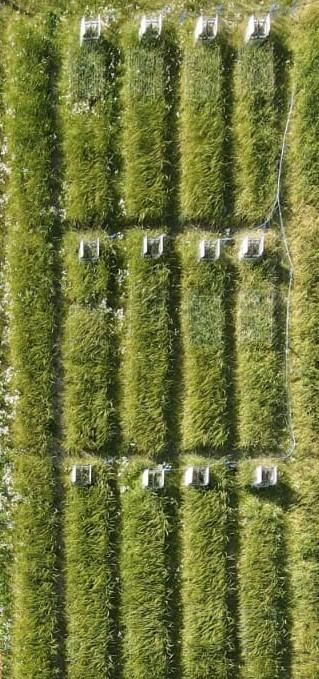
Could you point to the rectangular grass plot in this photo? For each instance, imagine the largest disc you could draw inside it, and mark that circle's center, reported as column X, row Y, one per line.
column 256, row 311
column 206, row 319
column 202, row 74
column 146, row 74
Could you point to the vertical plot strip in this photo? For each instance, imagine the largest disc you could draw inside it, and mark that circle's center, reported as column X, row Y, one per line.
column 34, row 577
column 148, row 127
column 206, row 289
column 260, row 354
column 206, row 637
column 90, row 121
column 90, row 517
column 256, row 128
column 264, row 624
column 147, row 577
column 203, row 133
column 32, row 156
column 148, row 411
column 90, row 350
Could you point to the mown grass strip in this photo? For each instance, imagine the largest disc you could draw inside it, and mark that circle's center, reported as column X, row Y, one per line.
column 257, row 128
column 148, row 577
column 206, row 290
column 89, row 94
column 260, row 353
column 34, row 580
column 207, row 643
column 149, row 144
column 148, row 408
column 90, row 348
column 263, row 578
column 204, row 176
column 30, row 97
column 90, row 524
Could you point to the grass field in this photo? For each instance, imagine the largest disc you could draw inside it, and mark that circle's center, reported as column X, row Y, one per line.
column 139, row 355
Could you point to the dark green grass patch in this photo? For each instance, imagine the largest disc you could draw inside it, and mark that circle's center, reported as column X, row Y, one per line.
column 206, row 293
column 34, row 635
column 305, row 329
column 90, row 523
column 263, row 578
column 90, row 120
column 149, row 144
column 257, row 128
column 260, row 353
column 304, row 568
column 148, row 577
column 90, row 347
column 207, row 643
column 148, row 410
column 204, row 133
column 305, row 129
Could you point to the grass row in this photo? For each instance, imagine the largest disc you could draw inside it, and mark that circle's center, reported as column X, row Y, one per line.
column 149, row 136
column 149, row 577
column 90, row 124
column 207, row 634
column 89, row 347
column 260, row 354
column 204, row 190
column 263, row 579
column 90, row 524
column 149, row 413
column 258, row 76
column 30, row 99
column 206, row 293
column 31, row 128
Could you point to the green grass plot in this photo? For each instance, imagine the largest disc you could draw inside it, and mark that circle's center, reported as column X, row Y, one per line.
column 207, row 642
column 205, row 323
column 89, row 98
column 90, row 348
column 203, row 133
column 90, row 516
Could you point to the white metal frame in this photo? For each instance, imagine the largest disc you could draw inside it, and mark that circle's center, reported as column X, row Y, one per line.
column 247, row 243
column 197, row 476
column 152, row 242
column 153, row 479
column 206, row 28
column 258, row 28
column 85, row 248
column 209, row 250
column 76, row 474
column 265, row 476
column 151, row 23
column 90, row 29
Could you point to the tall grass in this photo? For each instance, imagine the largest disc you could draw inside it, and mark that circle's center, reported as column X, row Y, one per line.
column 90, row 525
column 89, row 97
column 207, row 643
column 148, row 408
column 148, row 577
column 206, row 291
column 257, row 128
column 260, row 354
column 204, row 113
column 34, row 580
column 149, row 138
column 32, row 226
column 90, row 351
column 263, row 579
